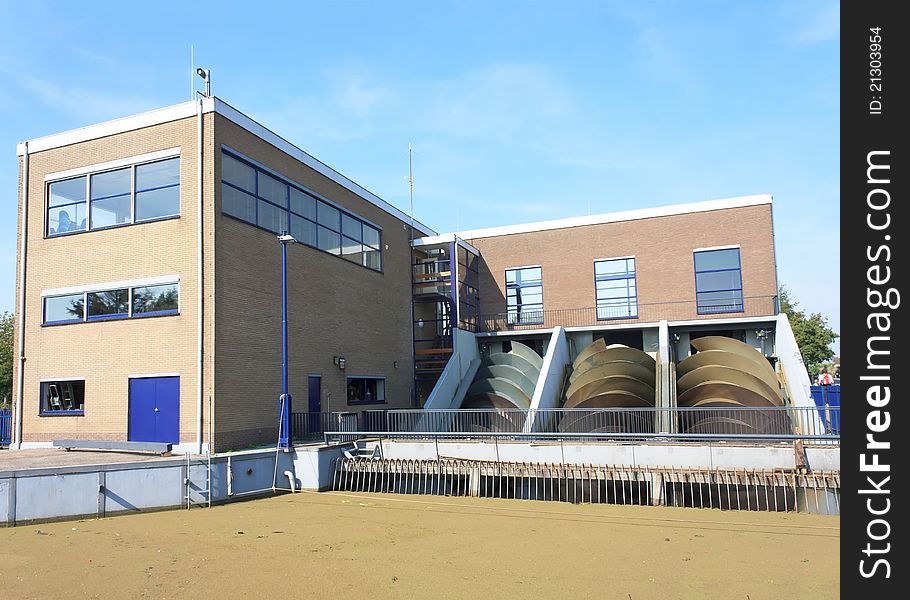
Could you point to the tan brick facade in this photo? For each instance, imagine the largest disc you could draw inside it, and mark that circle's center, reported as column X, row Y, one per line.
column 107, row 353
column 335, row 308
column 662, row 247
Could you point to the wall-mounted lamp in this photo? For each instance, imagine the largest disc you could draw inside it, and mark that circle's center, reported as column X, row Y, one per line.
column 341, row 363
column 395, row 364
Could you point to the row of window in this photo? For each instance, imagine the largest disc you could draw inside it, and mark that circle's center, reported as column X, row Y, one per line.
column 718, row 287
column 139, row 192
column 252, row 195
column 124, row 303
column 67, row 397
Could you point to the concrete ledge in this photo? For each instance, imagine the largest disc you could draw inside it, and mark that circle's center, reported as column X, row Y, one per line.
column 153, row 447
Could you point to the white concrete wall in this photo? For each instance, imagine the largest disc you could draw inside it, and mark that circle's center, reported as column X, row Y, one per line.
column 549, row 384
column 641, row 455
column 465, row 358
column 795, row 376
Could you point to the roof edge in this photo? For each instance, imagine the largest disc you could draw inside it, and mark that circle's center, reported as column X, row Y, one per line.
column 619, row 216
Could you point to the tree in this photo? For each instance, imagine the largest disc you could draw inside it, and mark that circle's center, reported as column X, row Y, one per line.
column 6, row 357
column 813, row 335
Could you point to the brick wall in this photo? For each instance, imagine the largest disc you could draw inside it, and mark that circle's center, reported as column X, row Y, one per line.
column 335, row 308
column 662, row 247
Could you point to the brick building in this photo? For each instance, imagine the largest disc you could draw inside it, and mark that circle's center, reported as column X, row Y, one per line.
column 149, row 276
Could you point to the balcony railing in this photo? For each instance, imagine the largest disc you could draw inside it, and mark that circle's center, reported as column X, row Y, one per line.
column 752, row 306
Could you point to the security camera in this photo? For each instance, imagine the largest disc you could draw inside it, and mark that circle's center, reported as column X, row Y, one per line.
column 202, row 73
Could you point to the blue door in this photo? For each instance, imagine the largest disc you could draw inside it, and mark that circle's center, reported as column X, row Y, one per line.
column 314, row 403
column 154, row 410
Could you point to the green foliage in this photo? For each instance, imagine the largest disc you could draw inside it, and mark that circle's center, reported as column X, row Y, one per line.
column 6, row 357
column 813, row 335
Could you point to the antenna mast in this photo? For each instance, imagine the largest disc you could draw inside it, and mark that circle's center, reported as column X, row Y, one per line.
column 411, row 185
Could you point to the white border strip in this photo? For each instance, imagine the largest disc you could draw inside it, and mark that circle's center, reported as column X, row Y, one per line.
column 445, row 238
column 628, row 215
column 150, row 375
column 527, row 267
column 112, row 285
column 52, row 379
column 114, row 164
column 614, row 258
column 710, row 248
column 91, row 132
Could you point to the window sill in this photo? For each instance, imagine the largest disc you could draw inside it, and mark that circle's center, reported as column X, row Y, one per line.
column 62, row 413
column 114, row 318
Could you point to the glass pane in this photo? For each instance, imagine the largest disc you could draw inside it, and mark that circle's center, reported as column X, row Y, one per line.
column 328, row 216
column 108, row 304
column 717, row 259
column 158, row 174
column 163, row 202
column 351, row 250
column 67, row 191
column 112, row 183
column 372, row 259
column 65, row 219
column 533, row 274
column 237, row 173
column 236, row 203
column 62, row 396
column 303, row 231
column 511, row 276
column 370, row 236
column 110, row 211
column 351, row 227
column 329, row 241
column 272, row 218
column 303, row 204
column 155, row 299
column 273, row 190
column 63, row 308
column 718, row 280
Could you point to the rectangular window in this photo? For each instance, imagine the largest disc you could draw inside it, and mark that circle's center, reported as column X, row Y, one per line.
column 158, row 189
column 155, row 300
column 366, row 390
column 718, row 281
column 122, row 303
column 66, row 206
column 64, row 309
column 263, row 199
column 122, row 196
column 615, row 289
column 62, row 397
column 524, row 295
column 110, row 304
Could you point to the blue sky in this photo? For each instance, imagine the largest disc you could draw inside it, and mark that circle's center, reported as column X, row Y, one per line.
column 518, row 111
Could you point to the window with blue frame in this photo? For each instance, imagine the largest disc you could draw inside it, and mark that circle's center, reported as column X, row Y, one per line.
column 262, row 199
column 524, row 295
column 718, row 281
column 122, row 196
column 121, row 303
column 615, row 290
column 62, row 398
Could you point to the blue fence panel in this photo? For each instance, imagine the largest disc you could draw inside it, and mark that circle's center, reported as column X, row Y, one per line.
column 6, row 427
column 828, row 395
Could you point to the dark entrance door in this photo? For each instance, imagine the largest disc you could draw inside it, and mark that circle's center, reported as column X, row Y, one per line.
column 314, row 403
column 154, row 413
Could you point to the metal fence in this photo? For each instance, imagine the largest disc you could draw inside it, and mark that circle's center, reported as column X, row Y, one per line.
column 307, row 426
column 752, row 306
column 698, row 424
column 6, row 427
column 743, row 489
